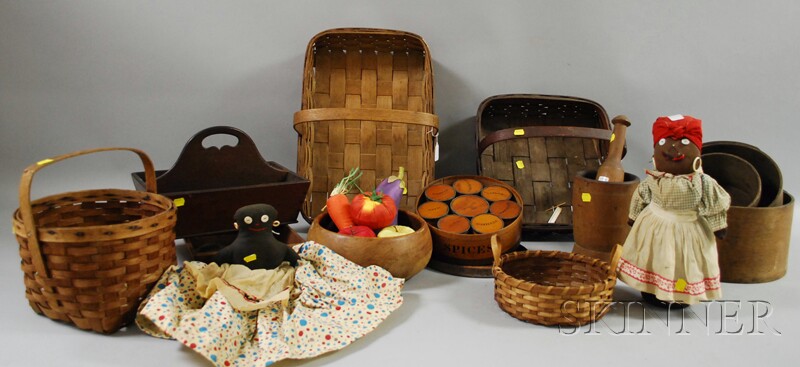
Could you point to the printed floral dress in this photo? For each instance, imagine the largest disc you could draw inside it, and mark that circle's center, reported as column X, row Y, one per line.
column 234, row 316
column 671, row 251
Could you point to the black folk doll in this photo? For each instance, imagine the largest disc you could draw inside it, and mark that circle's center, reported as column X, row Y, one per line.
column 670, row 254
column 255, row 246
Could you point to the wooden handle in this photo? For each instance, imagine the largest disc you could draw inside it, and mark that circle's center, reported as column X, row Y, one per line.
column 621, row 119
column 201, row 168
column 369, row 114
column 542, row 131
column 26, row 212
column 196, row 142
column 496, row 250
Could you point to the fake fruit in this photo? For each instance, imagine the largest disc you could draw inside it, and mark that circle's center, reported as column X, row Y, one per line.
column 394, row 187
column 394, row 231
column 358, row 231
column 338, row 205
column 339, row 211
column 374, row 210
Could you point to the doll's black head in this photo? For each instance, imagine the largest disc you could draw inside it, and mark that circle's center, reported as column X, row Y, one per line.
column 256, row 218
column 677, row 141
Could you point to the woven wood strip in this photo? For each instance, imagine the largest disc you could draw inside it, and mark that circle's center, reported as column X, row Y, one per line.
column 89, row 257
column 540, row 168
column 378, row 152
column 99, row 270
column 362, row 69
column 553, row 287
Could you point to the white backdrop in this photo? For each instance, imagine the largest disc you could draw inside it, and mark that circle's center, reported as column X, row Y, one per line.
column 149, row 74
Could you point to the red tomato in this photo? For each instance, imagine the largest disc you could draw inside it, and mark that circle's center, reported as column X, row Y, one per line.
column 358, row 231
column 375, row 211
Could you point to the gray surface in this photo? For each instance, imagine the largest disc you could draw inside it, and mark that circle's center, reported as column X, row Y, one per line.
column 149, row 74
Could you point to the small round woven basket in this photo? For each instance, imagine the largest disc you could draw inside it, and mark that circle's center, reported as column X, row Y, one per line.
column 89, row 257
column 553, row 287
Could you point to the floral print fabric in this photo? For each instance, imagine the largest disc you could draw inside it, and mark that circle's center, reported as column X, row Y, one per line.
column 332, row 303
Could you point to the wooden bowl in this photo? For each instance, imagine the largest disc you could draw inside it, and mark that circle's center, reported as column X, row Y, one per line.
column 737, row 176
column 474, row 249
column 403, row 256
column 768, row 171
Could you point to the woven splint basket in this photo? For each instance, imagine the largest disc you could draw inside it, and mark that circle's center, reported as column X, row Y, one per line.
column 538, row 143
column 554, row 287
column 89, row 257
column 368, row 103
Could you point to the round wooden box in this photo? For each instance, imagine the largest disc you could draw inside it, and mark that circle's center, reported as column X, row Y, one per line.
column 756, row 248
column 403, row 256
column 473, row 249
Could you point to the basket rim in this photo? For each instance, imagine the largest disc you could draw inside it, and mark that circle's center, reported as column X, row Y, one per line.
column 167, row 209
column 532, row 96
column 366, row 31
column 501, row 276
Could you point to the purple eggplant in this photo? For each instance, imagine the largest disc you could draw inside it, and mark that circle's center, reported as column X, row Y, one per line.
column 394, row 187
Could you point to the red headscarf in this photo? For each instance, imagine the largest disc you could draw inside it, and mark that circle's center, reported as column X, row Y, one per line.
column 678, row 127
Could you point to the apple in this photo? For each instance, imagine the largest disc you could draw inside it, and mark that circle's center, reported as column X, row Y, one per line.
column 394, row 231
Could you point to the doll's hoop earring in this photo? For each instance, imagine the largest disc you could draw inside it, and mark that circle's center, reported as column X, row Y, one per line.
column 653, row 160
column 697, row 165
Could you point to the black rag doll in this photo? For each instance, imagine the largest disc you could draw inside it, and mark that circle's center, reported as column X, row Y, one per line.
column 255, row 246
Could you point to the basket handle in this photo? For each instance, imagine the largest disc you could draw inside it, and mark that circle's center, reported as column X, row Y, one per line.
column 370, row 114
column 615, row 255
column 496, row 250
column 220, row 167
column 26, row 212
column 543, row 131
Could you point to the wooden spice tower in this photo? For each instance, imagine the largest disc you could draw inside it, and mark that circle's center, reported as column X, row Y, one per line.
column 368, row 103
column 537, row 144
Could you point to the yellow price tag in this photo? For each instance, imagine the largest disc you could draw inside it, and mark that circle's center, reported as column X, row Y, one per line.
column 250, row 258
column 519, row 132
column 613, row 136
column 520, row 164
column 179, row 202
column 586, row 197
column 44, row 161
column 680, row 285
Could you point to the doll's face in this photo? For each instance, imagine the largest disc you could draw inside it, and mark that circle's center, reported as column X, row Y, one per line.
column 256, row 218
column 675, row 156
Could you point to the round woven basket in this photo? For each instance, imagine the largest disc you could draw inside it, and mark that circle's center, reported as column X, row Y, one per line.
column 553, row 287
column 89, row 257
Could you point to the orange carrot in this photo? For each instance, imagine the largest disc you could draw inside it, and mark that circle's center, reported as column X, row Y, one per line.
column 338, row 205
column 339, row 211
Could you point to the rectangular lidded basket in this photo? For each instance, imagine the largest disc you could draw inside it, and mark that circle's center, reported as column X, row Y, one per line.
column 368, row 103
column 538, row 143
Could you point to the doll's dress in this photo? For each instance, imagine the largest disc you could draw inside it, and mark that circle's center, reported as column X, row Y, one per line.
column 671, row 251
column 234, row 316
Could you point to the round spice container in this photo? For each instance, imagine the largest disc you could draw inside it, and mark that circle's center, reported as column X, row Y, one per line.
column 454, row 224
column 469, row 205
column 467, row 186
column 470, row 253
column 440, row 192
column 495, row 193
column 486, row 223
column 433, row 210
column 505, row 209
